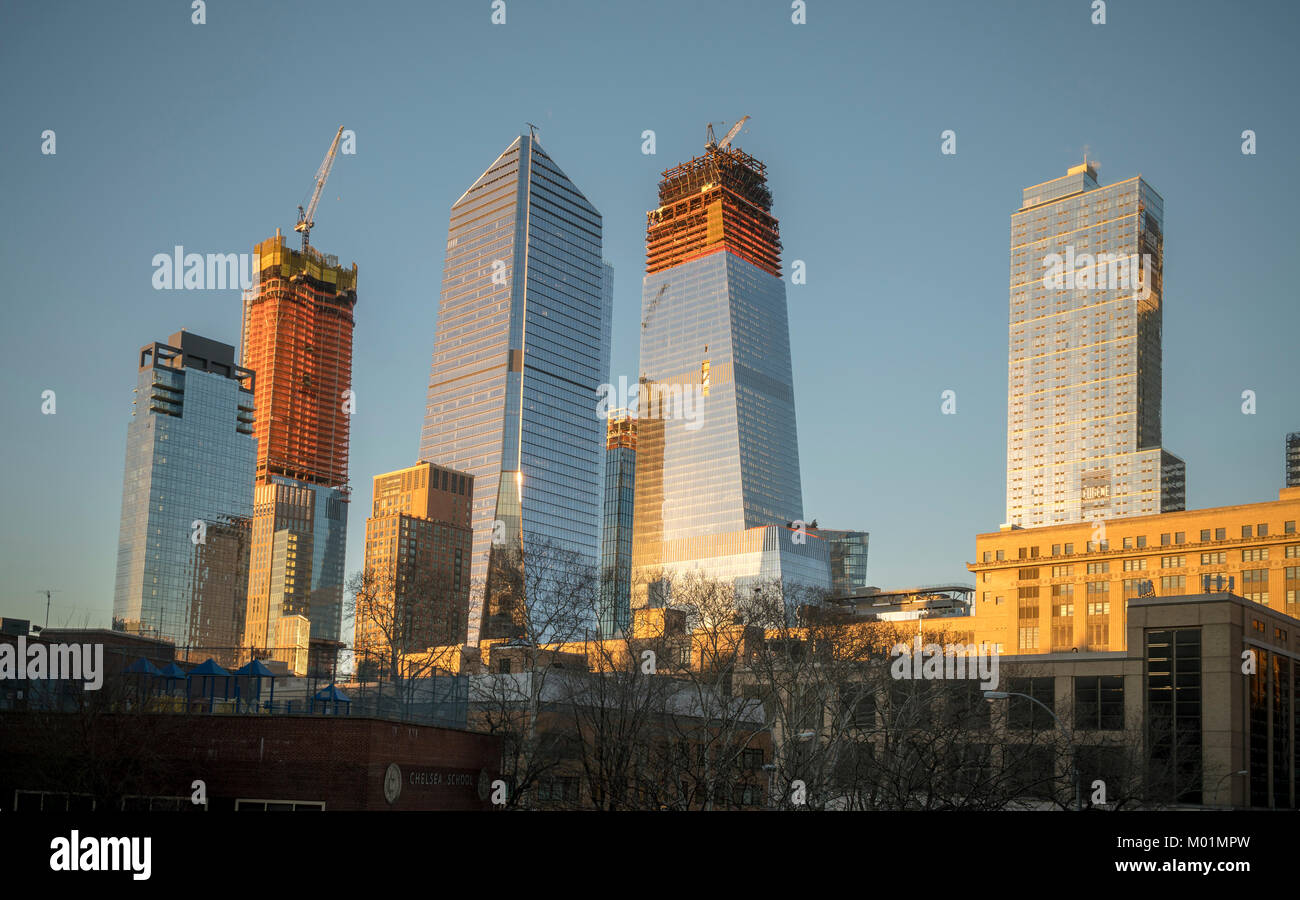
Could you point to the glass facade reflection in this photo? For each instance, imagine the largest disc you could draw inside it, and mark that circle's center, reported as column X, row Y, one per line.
column 522, row 345
column 848, row 551
column 616, row 531
column 183, row 545
column 1084, row 372
column 717, row 457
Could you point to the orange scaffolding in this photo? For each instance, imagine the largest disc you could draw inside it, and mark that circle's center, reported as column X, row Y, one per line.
column 713, row 202
column 297, row 339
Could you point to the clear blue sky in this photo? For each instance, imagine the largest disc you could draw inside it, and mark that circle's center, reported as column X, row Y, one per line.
column 208, row 136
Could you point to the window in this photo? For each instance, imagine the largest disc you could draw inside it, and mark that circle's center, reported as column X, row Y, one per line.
column 1205, row 534
column 1220, row 534
column 1023, row 714
column 1099, row 702
column 1098, row 568
column 988, row 555
column 1254, row 585
column 1172, row 562
column 1180, row 537
column 1062, row 571
column 1261, row 530
column 1289, row 527
column 1134, row 587
column 1128, row 543
column 1098, row 607
column 1135, row 565
column 1001, row 555
column 1164, row 539
column 1256, row 555
column 1142, row 541
column 1029, row 637
column 242, row 805
column 752, row 757
column 1069, row 548
column 1033, row 552
column 1293, row 552
column 1027, row 574
column 1211, row 559
column 1056, row 549
column 1292, row 587
column 1170, row 584
column 1174, row 712
column 1245, row 531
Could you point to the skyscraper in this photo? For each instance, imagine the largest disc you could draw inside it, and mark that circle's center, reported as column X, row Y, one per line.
column 418, row 544
column 616, row 533
column 297, row 338
column 1084, row 384
column 522, row 345
column 717, row 454
column 183, row 546
column 1293, row 459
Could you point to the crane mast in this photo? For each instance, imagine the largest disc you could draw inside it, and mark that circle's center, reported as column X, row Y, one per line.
column 307, row 219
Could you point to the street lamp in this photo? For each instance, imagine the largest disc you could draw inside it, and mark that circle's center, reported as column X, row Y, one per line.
column 1074, row 763
column 1218, row 787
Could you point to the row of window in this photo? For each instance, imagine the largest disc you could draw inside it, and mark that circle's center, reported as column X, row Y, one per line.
column 1140, row 541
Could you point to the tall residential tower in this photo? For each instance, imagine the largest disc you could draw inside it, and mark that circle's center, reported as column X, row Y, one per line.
column 297, row 339
column 1084, row 383
column 522, row 345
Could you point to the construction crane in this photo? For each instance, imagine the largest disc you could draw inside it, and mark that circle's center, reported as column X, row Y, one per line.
column 307, row 220
column 712, row 144
column 653, row 303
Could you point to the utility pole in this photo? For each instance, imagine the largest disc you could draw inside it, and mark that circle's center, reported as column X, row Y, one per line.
column 47, row 592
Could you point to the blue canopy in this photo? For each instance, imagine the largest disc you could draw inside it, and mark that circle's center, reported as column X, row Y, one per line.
column 172, row 671
column 209, row 667
column 332, row 693
column 142, row 666
column 255, row 668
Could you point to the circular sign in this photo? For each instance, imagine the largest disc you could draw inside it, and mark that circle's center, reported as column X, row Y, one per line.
column 392, row 783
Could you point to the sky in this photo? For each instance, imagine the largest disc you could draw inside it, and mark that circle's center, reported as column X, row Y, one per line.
column 208, row 136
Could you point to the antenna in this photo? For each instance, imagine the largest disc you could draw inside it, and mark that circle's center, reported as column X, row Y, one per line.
column 47, row 592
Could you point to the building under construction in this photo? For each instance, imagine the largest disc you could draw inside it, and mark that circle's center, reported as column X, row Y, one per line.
column 717, row 467
column 715, row 201
column 297, row 337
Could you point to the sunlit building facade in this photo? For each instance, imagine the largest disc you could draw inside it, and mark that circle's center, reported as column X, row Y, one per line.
column 717, row 458
column 522, row 346
column 1084, row 374
column 183, row 544
column 297, row 338
column 417, row 565
column 616, row 531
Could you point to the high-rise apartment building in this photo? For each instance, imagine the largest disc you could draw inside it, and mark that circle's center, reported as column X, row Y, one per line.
column 1084, row 391
column 183, row 546
column 522, row 345
column 417, row 568
column 717, row 450
column 616, row 532
column 297, row 338
column 1293, row 459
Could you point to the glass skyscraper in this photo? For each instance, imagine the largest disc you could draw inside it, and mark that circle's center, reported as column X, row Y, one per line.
column 616, row 532
column 522, row 346
column 187, row 499
column 1084, row 381
column 718, row 486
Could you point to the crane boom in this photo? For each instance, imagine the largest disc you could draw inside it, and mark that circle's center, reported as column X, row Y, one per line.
column 735, row 130
column 307, row 219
